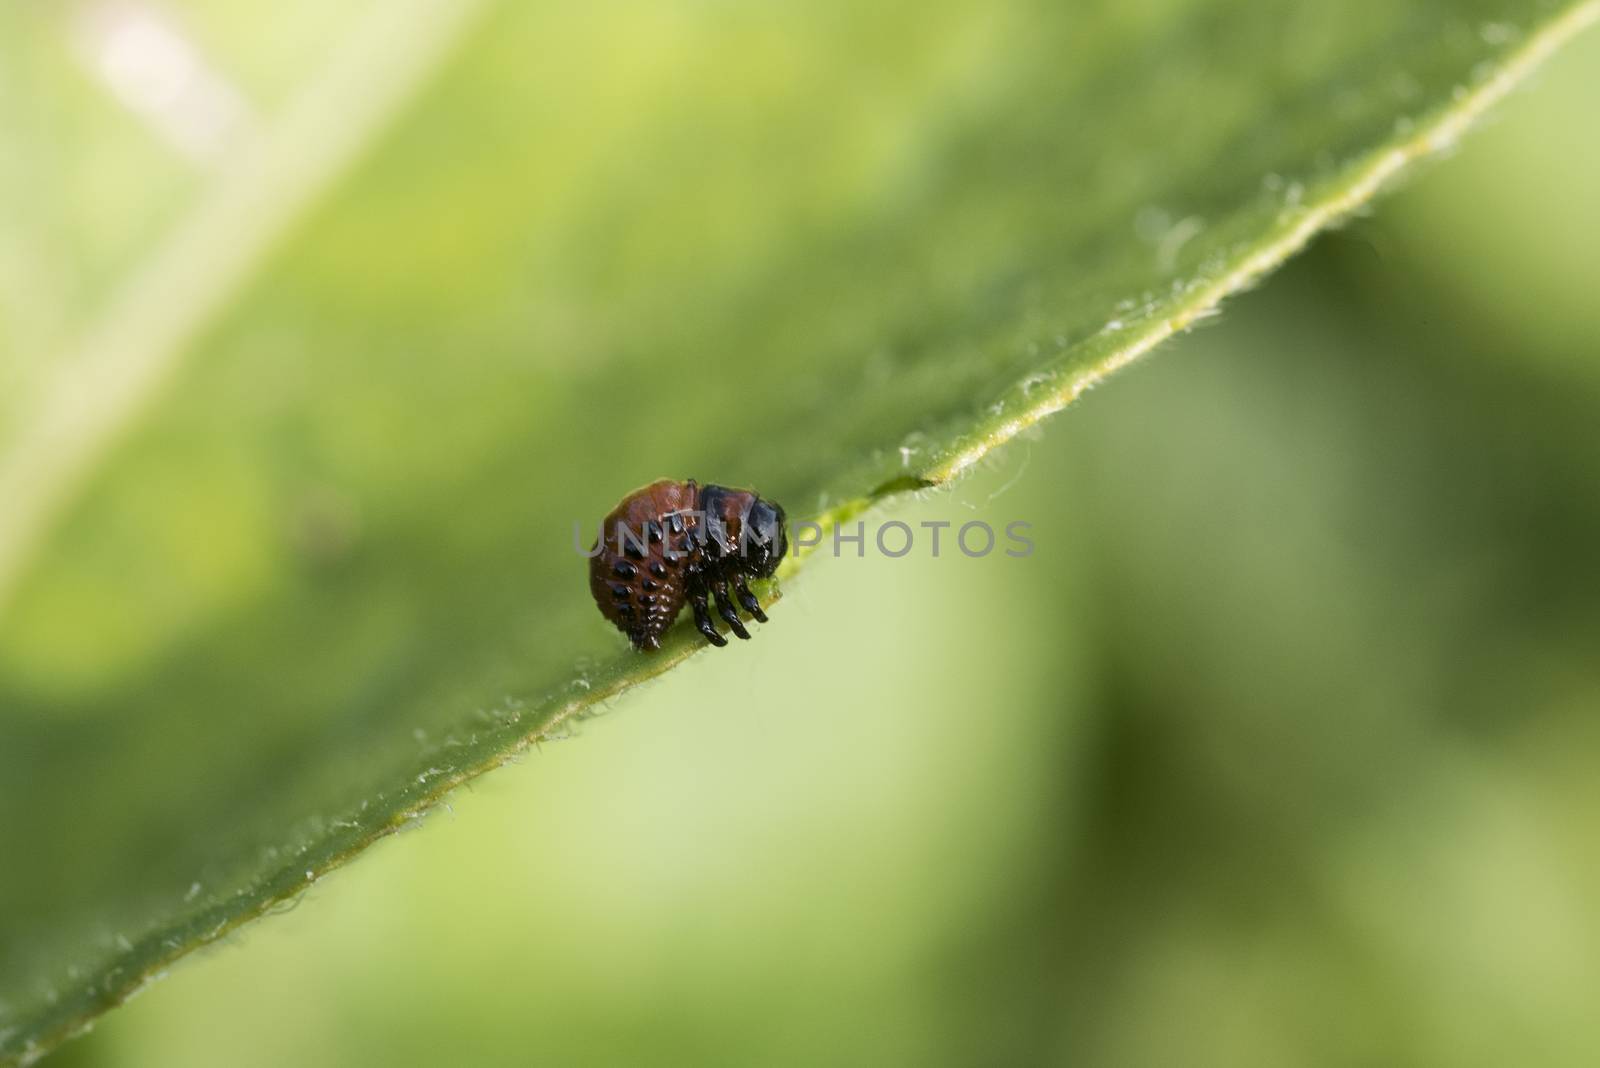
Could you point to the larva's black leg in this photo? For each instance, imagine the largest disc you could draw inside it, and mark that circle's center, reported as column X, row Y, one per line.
column 748, row 599
column 725, row 609
column 702, row 617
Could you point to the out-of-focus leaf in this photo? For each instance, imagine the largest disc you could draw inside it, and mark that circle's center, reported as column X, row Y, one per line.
column 287, row 541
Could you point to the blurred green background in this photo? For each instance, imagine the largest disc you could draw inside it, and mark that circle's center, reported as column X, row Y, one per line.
column 1281, row 749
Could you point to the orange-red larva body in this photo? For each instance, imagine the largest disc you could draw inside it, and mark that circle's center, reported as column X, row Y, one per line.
column 671, row 543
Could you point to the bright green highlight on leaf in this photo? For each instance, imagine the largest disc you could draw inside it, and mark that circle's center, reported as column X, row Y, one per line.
column 293, row 440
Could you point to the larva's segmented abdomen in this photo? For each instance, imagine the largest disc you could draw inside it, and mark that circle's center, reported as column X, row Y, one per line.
column 637, row 578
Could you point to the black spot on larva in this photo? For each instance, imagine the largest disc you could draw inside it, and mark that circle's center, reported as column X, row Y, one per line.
column 620, row 592
column 623, row 569
column 648, row 586
column 647, row 598
column 658, row 569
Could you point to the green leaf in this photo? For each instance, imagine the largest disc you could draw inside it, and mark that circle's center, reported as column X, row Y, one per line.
column 295, row 430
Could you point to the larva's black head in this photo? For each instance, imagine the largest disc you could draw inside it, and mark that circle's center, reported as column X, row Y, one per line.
column 768, row 541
